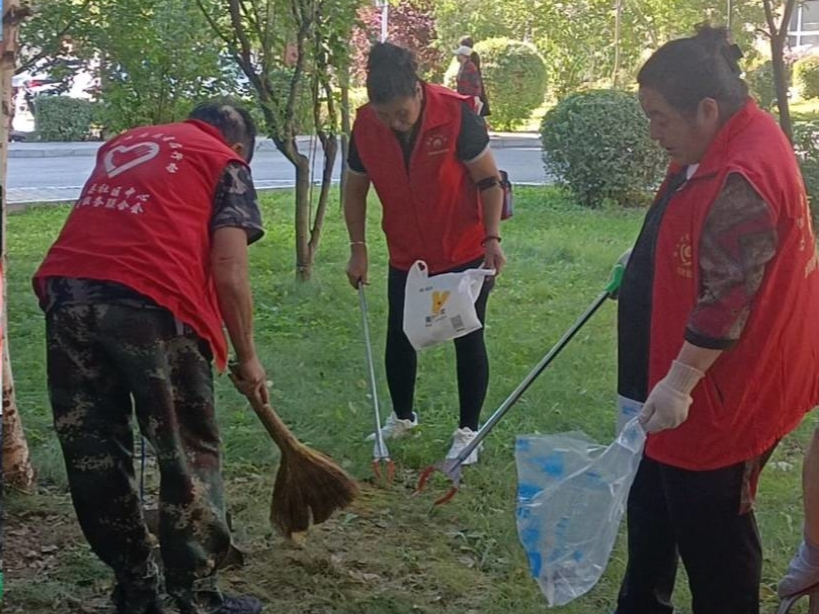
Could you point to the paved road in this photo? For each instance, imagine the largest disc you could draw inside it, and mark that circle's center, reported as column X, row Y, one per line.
column 52, row 172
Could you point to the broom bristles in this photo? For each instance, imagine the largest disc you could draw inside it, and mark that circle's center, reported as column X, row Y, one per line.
column 309, row 489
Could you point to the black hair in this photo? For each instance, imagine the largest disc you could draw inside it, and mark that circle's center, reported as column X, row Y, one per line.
column 466, row 41
column 687, row 70
column 392, row 73
column 232, row 120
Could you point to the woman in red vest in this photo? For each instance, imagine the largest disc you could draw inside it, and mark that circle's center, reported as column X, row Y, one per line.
column 427, row 153
column 718, row 337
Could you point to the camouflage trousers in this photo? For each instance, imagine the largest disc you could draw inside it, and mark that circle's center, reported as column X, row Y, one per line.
column 105, row 363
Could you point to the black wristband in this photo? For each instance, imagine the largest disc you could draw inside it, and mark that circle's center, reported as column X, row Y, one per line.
column 486, row 183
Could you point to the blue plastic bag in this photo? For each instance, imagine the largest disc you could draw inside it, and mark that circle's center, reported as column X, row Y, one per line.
column 571, row 497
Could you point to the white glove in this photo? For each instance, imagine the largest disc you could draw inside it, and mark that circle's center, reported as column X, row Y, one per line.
column 667, row 405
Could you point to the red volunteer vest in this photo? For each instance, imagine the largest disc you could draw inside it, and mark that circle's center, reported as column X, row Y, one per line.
column 759, row 390
column 143, row 220
column 432, row 211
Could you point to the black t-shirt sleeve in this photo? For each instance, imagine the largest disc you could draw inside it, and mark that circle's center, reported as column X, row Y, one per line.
column 354, row 162
column 473, row 138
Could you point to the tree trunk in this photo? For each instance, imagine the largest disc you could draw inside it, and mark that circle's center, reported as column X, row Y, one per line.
column 304, row 256
column 780, row 72
column 618, row 13
column 17, row 468
column 345, row 128
column 329, row 144
column 778, row 35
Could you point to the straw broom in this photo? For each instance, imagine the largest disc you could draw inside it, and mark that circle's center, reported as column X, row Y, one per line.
column 309, row 486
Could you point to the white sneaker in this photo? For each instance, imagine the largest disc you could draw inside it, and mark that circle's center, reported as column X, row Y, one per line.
column 460, row 439
column 396, row 428
column 802, row 575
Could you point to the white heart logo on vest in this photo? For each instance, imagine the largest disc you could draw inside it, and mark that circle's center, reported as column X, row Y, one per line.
column 150, row 151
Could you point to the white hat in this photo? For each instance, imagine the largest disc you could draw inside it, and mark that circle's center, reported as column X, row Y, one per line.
column 464, row 50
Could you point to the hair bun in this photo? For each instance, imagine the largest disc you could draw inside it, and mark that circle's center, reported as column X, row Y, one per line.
column 712, row 38
column 716, row 41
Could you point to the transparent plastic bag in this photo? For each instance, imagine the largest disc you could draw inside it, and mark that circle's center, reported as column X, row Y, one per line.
column 571, row 497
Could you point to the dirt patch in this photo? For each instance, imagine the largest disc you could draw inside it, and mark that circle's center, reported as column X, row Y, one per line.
column 384, row 554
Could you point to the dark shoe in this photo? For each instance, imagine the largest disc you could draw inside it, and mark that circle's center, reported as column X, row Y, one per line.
column 229, row 604
column 240, row 604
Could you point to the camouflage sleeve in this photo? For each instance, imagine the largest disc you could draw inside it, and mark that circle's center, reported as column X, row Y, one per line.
column 236, row 204
column 738, row 240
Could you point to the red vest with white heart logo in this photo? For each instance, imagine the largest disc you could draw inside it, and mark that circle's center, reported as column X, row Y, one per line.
column 432, row 210
column 143, row 220
column 759, row 389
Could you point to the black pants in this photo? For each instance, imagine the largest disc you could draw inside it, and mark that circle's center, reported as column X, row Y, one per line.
column 704, row 518
column 402, row 362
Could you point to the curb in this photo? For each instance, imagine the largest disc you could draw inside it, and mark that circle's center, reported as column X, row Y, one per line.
column 21, row 205
column 36, row 150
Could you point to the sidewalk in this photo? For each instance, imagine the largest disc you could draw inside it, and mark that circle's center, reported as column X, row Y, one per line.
column 501, row 140
column 17, row 198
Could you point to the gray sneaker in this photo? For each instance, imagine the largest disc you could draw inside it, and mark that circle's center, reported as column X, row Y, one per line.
column 396, row 428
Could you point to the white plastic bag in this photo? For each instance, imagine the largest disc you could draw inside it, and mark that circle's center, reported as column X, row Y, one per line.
column 627, row 409
column 441, row 307
column 571, row 497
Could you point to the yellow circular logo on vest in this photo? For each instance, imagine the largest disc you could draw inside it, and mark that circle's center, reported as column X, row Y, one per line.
column 683, row 257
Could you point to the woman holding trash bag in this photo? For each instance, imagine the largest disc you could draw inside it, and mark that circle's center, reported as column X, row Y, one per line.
column 718, row 337
column 427, row 153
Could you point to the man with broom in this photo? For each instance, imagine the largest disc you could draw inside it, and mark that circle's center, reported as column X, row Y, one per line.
column 150, row 263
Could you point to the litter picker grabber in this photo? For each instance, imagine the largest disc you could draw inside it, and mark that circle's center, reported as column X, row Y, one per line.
column 451, row 468
column 381, row 455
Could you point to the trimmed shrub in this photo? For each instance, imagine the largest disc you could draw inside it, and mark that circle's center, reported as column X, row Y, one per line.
column 806, row 76
column 760, row 81
column 806, row 145
column 597, row 145
column 60, row 118
column 514, row 75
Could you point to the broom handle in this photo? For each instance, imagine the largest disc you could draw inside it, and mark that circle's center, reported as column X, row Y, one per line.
column 278, row 430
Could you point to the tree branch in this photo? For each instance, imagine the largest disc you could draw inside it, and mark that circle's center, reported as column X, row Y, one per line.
column 241, row 34
column 790, row 5
column 252, row 16
column 297, row 8
column 216, row 30
column 50, row 50
column 770, row 18
column 764, row 33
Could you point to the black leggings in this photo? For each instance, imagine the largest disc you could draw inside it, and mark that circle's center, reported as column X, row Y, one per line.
column 402, row 362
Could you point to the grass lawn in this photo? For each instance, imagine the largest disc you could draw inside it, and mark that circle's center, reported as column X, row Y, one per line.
column 805, row 110
column 389, row 553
